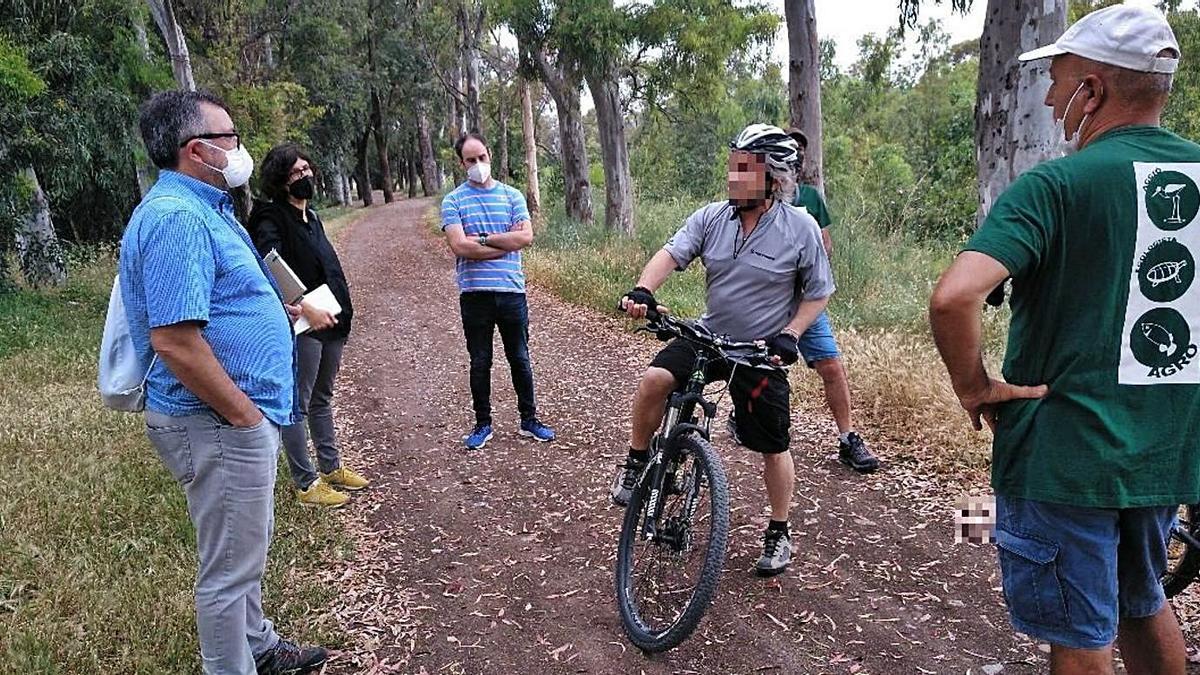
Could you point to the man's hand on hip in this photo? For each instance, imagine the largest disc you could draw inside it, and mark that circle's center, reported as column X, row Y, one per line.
column 981, row 406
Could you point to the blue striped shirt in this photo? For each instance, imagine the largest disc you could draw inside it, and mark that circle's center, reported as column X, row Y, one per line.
column 185, row 258
column 492, row 210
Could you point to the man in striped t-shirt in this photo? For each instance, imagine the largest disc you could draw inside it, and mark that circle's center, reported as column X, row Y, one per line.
column 487, row 224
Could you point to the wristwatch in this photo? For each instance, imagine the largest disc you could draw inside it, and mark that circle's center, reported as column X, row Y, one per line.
column 482, row 239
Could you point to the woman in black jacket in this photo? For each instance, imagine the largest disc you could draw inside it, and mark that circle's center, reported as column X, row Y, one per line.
column 287, row 225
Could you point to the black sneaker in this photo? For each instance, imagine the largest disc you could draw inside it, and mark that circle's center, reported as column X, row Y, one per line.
column 853, row 453
column 288, row 658
column 777, row 553
column 625, row 480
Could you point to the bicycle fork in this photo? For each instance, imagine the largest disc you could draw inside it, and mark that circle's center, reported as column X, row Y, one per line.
column 657, row 472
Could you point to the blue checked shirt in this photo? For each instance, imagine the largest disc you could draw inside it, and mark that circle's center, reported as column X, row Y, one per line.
column 491, row 210
column 184, row 257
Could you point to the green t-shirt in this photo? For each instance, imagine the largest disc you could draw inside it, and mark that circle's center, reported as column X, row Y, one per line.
column 810, row 198
column 1105, row 312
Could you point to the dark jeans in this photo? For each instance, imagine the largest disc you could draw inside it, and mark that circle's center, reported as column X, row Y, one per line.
column 482, row 312
column 318, row 369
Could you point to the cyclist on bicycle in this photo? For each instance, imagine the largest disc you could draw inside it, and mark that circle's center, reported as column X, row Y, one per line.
column 767, row 278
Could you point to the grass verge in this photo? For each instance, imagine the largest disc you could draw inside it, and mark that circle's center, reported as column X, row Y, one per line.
column 97, row 555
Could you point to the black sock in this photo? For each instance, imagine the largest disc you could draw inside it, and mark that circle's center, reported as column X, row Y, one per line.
column 778, row 526
column 639, row 455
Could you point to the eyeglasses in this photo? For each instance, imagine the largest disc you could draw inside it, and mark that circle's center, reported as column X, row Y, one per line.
column 228, row 134
column 301, row 172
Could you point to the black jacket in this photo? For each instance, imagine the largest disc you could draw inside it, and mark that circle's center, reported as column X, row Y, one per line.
column 306, row 250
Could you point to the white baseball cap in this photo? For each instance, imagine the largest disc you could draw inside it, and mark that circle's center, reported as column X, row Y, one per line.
column 1129, row 36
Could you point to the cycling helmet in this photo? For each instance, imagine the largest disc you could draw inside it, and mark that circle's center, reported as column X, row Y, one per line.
column 764, row 139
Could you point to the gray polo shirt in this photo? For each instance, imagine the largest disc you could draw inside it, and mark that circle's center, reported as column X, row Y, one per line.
column 753, row 293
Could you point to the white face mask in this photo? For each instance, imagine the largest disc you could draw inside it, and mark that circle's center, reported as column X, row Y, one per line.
column 1061, row 145
column 239, row 165
column 480, row 173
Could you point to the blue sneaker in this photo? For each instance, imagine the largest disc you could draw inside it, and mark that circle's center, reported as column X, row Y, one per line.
column 479, row 437
column 536, row 430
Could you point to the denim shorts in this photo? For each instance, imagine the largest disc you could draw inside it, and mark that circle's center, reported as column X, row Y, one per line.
column 817, row 343
column 1071, row 574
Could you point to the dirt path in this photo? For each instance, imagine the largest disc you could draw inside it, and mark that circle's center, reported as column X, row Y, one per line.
column 500, row 561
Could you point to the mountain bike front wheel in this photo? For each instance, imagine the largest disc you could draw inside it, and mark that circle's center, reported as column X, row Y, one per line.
column 1183, row 559
column 666, row 583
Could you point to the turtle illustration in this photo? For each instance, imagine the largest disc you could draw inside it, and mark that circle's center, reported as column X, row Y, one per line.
column 1166, row 271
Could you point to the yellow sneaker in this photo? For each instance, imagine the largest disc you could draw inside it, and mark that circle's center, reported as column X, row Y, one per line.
column 321, row 494
column 346, row 479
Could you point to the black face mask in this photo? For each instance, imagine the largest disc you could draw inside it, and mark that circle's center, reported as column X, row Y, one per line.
column 301, row 188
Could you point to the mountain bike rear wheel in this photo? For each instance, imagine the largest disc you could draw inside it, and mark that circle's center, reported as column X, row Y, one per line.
column 665, row 585
column 1183, row 560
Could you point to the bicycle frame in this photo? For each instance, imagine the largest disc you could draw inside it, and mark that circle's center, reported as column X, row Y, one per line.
column 681, row 406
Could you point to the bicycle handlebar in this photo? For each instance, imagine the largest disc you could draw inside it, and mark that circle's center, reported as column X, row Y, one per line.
column 666, row 326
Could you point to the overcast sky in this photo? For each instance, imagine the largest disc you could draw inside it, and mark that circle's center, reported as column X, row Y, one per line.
column 845, row 21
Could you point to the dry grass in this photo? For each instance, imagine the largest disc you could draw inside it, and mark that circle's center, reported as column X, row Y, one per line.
column 902, row 394
column 97, row 556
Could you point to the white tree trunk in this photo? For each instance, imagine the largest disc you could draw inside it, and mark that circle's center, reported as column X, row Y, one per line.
column 181, row 61
column 804, row 85
column 614, row 151
column 38, row 249
column 502, row 159
column 564, row 82
column 533, row 193
column 470, row 24
column 429, row 170
column 1013, row 129
column 145, row 169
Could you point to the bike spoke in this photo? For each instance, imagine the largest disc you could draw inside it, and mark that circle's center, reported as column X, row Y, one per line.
column 666, row 572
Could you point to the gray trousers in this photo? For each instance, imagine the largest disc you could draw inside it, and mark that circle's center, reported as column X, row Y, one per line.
column 318, row 368
column 228, row 476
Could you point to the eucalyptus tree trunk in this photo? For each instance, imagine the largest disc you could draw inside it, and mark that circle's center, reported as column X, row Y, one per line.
column 38, row 248
column 804, row 85
column 429, row 170
column 414, row 159
column 564, row 81
column 614, row 151
column 502, row 141
column 181, row 61
column 470, row 25
column 378, row 127
column 362, row 173
column 1013, row 129
column 144, row 169
column 533, row 193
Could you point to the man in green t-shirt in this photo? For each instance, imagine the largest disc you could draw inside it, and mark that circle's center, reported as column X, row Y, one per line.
column 818, row 346
column 1096, row 420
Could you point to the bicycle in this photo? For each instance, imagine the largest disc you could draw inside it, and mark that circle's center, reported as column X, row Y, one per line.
column 679, row 509
column 1183, row 551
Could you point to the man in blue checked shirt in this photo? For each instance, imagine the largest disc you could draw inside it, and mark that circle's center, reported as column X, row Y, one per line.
column 197, row 294
column 487, row 224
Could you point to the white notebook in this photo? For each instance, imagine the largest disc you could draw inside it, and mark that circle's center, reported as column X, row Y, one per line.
column 322, row 298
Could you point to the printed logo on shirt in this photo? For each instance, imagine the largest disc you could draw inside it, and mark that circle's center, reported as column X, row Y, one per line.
column 1166, row 271
column 1172, row 199
column 1163, row 311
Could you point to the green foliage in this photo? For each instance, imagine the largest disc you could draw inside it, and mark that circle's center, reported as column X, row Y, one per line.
column 899, row 137
column 269, row 114
column 18, row 83
column 1182, row 114
column 71, row 74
